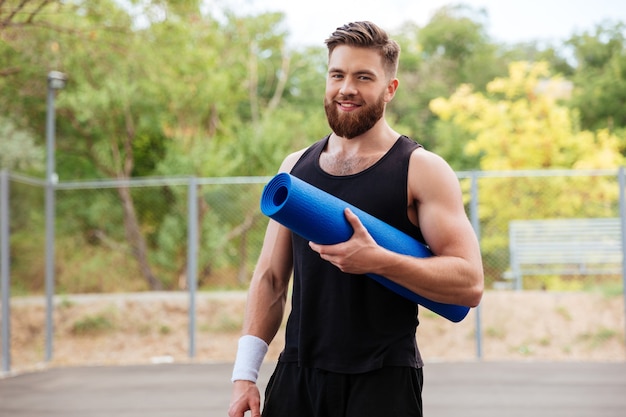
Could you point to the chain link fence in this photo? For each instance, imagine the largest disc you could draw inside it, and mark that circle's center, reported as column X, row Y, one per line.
column 113, row 236
column 153, row 234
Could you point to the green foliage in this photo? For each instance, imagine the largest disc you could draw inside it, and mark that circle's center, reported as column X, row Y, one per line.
column 172, row 88
column 515, row 125
column 609, row 289
column 600, row 337
column 495, row 333
column 563, row 312
column 518, row 126
column 600, row 76
column 99, row 267
column 90, row 325
column 553, row 283
column 18, row 149
column 223, row 323
column 452, row 48
column 456, row 34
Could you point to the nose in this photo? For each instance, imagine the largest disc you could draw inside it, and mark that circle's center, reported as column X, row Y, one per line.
column 348, row 87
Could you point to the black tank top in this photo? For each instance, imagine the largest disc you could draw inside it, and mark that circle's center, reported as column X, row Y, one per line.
column 350, row 323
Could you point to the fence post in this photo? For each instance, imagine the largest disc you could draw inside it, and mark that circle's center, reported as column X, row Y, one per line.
column 50, row 273
column 192, row 259
column 56, row 81
column 476, row 224
column 5, row 285
column 622, row 214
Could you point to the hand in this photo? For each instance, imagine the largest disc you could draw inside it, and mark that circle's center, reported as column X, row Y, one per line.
column 246, row 396
column 354, row 256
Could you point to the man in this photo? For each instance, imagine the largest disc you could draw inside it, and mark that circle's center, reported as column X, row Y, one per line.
column 350, row 346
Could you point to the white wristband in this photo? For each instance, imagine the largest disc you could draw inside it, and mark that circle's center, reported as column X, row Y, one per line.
column 250, row 353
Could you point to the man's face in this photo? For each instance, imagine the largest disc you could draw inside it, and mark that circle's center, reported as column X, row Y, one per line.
column 357, row 90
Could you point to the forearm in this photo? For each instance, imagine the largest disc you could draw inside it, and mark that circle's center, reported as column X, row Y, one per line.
column 265, row 308
column 444, row 279
column 454, row 275
column 264, row 313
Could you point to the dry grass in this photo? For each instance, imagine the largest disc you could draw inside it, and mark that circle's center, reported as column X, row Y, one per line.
column 148, row 327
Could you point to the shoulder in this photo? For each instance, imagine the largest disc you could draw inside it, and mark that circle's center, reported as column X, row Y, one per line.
column 430, row 173
column 290, row 161
column 428, row 162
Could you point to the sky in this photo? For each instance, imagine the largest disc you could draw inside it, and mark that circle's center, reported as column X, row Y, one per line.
column 509, row 21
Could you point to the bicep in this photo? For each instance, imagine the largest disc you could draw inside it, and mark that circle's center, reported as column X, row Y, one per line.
column 441, row 214
column 276, row 257
column 270, row 282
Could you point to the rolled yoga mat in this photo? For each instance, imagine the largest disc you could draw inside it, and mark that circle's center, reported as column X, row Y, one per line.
column 319, row 217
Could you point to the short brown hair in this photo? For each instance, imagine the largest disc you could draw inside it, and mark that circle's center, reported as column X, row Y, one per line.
column 366, row 34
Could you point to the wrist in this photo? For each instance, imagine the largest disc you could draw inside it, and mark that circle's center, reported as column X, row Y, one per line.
column 251, row 351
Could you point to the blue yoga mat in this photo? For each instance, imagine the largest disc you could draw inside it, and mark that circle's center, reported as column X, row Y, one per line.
column 319, row 217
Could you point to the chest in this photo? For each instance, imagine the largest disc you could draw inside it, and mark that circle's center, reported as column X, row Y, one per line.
column 337, row 164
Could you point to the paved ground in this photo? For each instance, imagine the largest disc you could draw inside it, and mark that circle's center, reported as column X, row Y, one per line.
column 484, row 389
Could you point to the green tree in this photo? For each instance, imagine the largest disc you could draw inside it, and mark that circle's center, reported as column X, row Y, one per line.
column 600, row 76
column 18, row 149
column 519, row 124
column 452, row 48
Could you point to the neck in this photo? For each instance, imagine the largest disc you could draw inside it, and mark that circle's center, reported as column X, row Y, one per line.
column 350, row 156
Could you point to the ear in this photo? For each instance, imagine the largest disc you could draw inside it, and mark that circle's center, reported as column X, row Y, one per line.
column 392, row 87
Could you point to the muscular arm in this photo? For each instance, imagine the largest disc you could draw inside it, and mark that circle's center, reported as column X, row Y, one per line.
column 265, row 306
column 268, row 288
column 454, row 275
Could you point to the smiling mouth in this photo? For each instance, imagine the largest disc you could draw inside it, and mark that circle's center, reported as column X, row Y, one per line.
column 348, row 106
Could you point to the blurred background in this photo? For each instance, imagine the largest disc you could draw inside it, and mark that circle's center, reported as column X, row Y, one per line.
column 136, row 136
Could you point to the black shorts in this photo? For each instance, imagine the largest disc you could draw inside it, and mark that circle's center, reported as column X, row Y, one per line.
column 304, row 392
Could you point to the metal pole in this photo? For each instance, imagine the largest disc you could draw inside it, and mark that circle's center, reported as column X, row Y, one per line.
column 476, row 224
column 50, row 146
column 5, row 285
column 622, row 214
column 56, row 81
column 192, row 259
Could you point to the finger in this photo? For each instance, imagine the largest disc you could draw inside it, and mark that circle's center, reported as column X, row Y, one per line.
column 315, row 247
column 353, row 219
column 236, row 412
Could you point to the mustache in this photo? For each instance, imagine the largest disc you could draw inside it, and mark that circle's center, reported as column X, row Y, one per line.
column 343, row 97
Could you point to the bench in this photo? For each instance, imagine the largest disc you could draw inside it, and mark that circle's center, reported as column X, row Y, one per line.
column 576, row 247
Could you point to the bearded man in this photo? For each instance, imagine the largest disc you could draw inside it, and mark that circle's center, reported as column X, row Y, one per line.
column 350, row 346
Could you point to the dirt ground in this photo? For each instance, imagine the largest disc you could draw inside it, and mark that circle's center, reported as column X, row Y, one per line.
column 139, row 328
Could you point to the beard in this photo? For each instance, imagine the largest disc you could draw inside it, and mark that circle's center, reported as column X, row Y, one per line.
column 353, row 124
